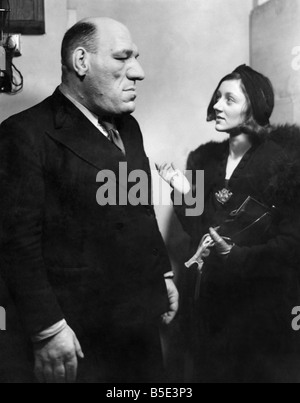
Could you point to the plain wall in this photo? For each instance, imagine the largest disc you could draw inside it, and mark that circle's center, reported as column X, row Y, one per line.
column 275, row 51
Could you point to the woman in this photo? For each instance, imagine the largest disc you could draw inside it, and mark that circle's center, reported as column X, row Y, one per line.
column 250, row 277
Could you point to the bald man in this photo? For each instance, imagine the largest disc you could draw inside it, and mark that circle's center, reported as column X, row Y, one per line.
column 91, row 280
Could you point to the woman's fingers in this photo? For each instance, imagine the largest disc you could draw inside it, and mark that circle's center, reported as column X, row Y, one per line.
column 215, row 236
column 223, row 248
column 166, row 171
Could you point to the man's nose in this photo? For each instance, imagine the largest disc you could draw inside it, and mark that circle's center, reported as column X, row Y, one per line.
column 135, row 72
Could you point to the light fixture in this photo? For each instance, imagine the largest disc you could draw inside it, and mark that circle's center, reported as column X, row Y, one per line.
column 11, row 79
column 4, row 18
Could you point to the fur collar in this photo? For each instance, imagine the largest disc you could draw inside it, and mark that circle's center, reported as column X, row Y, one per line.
column 284, row 169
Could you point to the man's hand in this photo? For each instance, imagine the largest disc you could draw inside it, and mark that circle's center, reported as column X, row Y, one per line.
column 222, row 247
column 173, row 295
column 56, row 358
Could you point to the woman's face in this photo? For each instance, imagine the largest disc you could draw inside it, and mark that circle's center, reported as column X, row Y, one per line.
column 231, row 106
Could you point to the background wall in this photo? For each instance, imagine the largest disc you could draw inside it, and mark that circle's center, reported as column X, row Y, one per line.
column 275, row 50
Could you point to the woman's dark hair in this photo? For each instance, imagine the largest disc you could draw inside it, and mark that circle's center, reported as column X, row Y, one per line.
column 260, row 98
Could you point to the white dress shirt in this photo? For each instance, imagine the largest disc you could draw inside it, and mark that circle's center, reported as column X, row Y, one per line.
column 94, row 119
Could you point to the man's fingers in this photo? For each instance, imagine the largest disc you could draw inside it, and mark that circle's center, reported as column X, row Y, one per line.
column 174, row 299
column 39, row 373
column 48, row 373
column 78, row 348
column 59, row 373
column 71, row 370
column 168, row 318
column 173, row 295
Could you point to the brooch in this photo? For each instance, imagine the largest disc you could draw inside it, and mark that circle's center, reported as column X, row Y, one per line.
column 223, row 196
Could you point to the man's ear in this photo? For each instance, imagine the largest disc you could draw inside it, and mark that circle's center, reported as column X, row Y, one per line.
column 80, row 62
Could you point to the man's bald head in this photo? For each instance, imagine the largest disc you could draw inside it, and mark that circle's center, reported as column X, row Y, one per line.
column 86, row 33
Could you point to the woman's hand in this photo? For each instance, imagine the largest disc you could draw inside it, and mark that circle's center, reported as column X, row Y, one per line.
column 222, row 247
column 174, row 177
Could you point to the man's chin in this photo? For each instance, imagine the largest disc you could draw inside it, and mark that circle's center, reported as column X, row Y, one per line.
column 128, row 108
column 125, row 109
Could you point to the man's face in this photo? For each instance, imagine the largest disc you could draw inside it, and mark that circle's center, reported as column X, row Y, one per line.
column 113, row 72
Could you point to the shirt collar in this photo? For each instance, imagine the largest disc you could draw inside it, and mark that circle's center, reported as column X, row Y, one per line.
column 86, row 112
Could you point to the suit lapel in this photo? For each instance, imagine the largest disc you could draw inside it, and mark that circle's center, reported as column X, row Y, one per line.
column 73, row 130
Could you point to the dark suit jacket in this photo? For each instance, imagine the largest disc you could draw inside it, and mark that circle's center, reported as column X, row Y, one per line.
column 66, row 256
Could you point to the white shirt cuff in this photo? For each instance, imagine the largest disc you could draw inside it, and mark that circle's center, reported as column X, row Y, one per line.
column 50, row 332
column 169, row 276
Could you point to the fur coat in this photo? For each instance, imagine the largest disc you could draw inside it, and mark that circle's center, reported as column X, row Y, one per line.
column 243, row 315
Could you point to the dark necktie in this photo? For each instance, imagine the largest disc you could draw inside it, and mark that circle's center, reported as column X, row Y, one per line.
column 113, row 135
